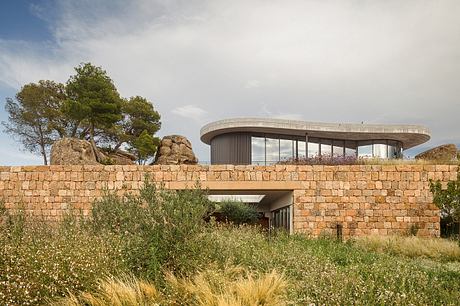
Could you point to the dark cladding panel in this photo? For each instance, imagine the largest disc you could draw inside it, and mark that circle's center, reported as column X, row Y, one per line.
column 231, row 148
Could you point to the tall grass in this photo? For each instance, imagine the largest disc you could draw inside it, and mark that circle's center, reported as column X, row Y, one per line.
column 40, row 261
column 411, row 246
column 160, row 238
column 230, row 287
column 325, row 272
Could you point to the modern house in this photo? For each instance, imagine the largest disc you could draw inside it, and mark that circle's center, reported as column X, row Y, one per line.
column 260, row 141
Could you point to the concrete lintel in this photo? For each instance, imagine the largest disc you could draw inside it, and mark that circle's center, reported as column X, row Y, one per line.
column 243, row 185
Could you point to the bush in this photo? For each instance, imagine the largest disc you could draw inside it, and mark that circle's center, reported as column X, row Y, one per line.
column 238, row 212
column 156, row 225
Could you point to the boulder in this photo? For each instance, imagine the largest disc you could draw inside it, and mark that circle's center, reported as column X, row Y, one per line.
column 72, row 151
column 175, row 150
column 118, row 157
column 445, row 152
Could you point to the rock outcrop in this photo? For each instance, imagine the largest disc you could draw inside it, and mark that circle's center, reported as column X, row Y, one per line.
column 72, row 151
column 118, row 157
column 445, row 152
column 175, row 150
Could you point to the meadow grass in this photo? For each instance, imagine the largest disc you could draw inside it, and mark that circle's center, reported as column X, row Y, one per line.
column 412, row 246
column 233, row 286
column 171, row 256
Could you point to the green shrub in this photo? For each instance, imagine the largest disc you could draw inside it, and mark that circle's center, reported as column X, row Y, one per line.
column 156, row 225
column 238, row 212
column 447, row 199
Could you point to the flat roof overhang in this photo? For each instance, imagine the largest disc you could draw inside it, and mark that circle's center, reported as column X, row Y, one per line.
column 409, row 135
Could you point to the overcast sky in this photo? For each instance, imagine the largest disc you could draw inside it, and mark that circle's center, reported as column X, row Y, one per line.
column 200, row 61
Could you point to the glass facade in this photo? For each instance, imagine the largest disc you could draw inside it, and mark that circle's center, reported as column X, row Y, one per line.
column 313, row 147
column 287, row 149
column 337, row 148
column 282, row 218
column 258, row 150
column 350, row 148
column 380, row 149
column 301, row 149
column 272, row 149
column 326, row 147
column 365, row 149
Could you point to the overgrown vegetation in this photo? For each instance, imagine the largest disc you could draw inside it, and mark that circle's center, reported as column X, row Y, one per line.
column 39, row 261
column 238, row 212
column 232, row 286
column 411, row 246
column 156, row 248
column 157, row 225
column 447, row 199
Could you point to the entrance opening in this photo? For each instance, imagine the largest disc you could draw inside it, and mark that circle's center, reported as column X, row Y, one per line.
column 274, row 206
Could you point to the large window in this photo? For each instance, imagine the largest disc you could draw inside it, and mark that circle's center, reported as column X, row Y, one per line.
column 313, row 147
column 380, row 149
column 287, row 149
column 350, row 148
column 272, row 150
column 282, row 218
column 258, row 150
column 326, row 147
column 337, row 148
column 301, row 149
column 365, row 149
column 394, row 149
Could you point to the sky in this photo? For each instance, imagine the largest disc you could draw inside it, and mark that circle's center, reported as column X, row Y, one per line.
column 203, row 60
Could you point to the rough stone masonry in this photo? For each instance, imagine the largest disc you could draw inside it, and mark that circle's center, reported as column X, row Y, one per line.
column 364, row 199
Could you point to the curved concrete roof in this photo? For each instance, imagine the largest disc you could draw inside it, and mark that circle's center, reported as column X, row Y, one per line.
column 409, row 135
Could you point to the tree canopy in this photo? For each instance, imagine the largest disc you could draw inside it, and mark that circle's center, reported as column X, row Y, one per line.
column 89, row 107
column 35, row 117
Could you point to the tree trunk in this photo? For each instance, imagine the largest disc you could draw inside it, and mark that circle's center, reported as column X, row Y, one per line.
column 45, row 159
column 99, row 156
column 117, row 146
column 42, row 146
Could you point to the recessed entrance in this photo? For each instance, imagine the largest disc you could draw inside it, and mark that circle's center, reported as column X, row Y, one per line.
column 274, row 205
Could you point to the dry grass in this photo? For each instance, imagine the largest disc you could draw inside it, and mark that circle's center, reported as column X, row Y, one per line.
column 125, row 290
column 411, row 246
column 231, row 287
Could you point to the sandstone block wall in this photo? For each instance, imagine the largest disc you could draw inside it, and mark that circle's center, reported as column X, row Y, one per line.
column 365, row 199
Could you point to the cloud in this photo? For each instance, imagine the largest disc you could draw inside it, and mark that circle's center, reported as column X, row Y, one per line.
column 190, row 112
column 346, row 61
column 252, row 84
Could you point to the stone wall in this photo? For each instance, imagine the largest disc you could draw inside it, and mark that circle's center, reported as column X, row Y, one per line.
column 365, row 199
